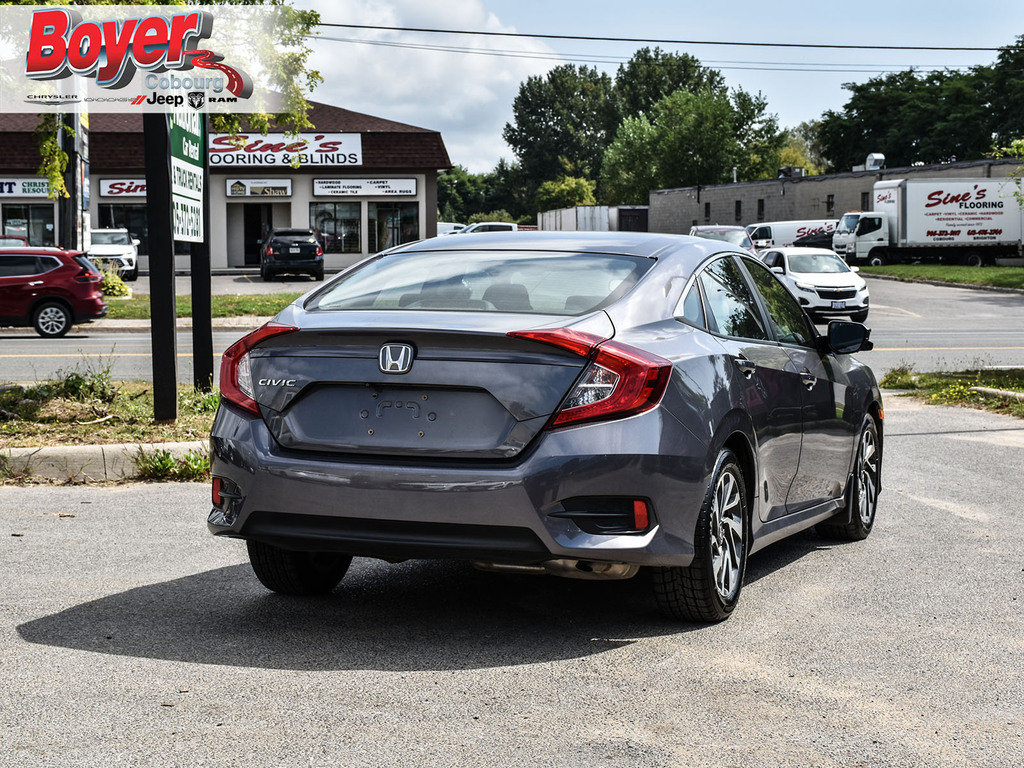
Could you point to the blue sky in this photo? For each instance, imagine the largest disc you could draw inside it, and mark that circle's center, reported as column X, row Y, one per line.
column 468, row 97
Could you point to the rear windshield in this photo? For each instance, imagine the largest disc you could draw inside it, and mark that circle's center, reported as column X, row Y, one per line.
column 731, row 236
column 110, row 238
column 293, row 233
column 489, row 281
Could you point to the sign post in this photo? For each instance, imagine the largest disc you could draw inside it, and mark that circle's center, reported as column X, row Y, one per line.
column 163, row 322
column 202, row 308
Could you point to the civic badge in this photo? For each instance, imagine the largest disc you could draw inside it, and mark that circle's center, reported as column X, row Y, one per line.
column 395, row 358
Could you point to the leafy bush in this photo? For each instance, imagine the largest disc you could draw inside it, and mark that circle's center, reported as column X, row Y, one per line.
column 112, row 284
column 161, row 465
column 90, row 384
column 565, row 192
column 499, row 215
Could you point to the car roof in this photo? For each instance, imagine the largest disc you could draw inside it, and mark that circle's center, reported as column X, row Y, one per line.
column 646, row 244
column 33, row 249
column 109, row 229
column 718, row 228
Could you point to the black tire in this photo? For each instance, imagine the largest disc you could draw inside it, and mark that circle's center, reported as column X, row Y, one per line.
column 859, row 317
column 318, row 275
column 877, row 259
column 52, row 319
column 692, row 593
column 861, row 522
column 297, row 573
column 266, row 274
column 131, row 277
column 974, row 260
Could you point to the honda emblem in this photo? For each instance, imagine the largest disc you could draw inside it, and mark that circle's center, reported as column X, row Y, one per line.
column 395, row 358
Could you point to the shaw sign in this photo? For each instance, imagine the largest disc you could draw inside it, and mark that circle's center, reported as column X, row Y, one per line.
column 281, row 150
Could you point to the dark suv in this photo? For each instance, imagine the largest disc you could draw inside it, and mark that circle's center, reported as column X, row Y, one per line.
column 49, row 289
column 291, row 250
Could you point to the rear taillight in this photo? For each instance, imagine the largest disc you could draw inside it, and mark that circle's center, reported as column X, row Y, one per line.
column 235, row 368
column 270, row 251
column 618, row 381
column 319, row 251
column 88, row 273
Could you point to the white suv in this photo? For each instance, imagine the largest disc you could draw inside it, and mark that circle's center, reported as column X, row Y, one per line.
column 488, row 226
column 821, row 281
column 116, row 247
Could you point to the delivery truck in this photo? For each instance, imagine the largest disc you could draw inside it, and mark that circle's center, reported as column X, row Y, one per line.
column 957, row 221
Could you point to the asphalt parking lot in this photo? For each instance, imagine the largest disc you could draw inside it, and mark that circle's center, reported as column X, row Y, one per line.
column 129, row 636
column 929, row 327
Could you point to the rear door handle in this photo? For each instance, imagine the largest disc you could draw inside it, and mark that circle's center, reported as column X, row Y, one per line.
column 808, row 378
column 36, row 282
column 746, row 366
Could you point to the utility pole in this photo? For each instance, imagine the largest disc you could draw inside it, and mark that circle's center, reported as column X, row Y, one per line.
column 202, row 302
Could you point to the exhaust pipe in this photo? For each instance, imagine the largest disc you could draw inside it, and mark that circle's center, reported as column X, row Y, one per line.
column 566, row 568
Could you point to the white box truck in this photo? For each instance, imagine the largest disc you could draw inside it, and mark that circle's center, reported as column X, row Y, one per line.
column 961, row 221
column 774, row 234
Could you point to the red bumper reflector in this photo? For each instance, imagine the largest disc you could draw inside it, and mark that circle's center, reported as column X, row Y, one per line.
column 640, row 520
column 217, row 498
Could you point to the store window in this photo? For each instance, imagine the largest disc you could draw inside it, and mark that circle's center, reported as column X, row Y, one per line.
column 865, row 200
column 336, row 226
column 129, row 216
column 739, row 210
column 760, row 209
column 830, row 204
column 33, row 222
column 707, row 212
column 392, row 224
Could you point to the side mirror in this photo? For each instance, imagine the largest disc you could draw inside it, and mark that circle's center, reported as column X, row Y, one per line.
column 855, row 269
column 136, row 241
column 779, row 270
column 845, row 338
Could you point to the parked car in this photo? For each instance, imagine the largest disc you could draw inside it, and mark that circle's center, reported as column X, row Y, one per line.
column 821, row 281
column 577, row 403
column 117, row 248
column 487, row 226
column 782, row 233
column 732, row 235
column 13, row 241
column 48, row 289
column 448, row 227
column 821, row 239
column 295, row 251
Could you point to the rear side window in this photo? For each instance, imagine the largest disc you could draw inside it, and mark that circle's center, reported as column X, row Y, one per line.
column 16, row 265
column 693, row 311
column 488, row 281
column 732, row 308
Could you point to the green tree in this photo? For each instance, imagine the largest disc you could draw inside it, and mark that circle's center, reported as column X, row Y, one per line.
column 695, row 139
column 509, row 189
column 499, row 215
column 565, row 192
column 561, row 121
column 801, row 146
column 1006, row 93
column 460, row 193
column 758, row 138
column 630, row 169
column 652, row 74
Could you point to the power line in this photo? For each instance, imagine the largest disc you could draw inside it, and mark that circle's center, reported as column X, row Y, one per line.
column 662, row 41
column 762, row 66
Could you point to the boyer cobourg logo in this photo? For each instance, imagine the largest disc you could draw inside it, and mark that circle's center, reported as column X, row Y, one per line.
column 111, row 52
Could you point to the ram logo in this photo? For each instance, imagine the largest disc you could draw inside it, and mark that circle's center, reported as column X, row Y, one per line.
column 277, row 382
column 395, row 358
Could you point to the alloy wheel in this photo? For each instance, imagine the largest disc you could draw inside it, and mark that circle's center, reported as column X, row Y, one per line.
column 52, row 320
column 867, row 477
column 727, row 535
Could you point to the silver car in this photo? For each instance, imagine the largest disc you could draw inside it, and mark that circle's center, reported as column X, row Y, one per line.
column 582, row 404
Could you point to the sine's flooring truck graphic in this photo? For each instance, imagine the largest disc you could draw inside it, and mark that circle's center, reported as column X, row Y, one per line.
column 962, row 221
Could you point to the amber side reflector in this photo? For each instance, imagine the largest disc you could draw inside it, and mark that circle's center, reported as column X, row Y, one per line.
column 881, row 414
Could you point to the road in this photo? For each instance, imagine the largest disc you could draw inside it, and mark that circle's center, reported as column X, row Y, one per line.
column 930, row 327
column 129, row 636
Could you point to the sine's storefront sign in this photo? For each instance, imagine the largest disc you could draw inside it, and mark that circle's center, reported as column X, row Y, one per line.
column 186, row 137
column 364, row 187
column 122, row 187
column 282, row 151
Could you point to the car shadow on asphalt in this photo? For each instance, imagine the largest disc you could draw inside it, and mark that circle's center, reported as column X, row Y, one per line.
column 417, row 615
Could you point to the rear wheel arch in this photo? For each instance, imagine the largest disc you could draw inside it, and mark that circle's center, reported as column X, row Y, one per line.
column 738, row 443
column 736, row 432
column 51, row 300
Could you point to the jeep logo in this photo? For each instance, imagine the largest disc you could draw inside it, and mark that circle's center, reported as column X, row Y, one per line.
column 277, row 382
column 395, row 358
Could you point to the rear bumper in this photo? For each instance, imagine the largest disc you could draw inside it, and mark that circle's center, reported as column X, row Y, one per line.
column 494, row 511
column 296, row 265
column 90, row 309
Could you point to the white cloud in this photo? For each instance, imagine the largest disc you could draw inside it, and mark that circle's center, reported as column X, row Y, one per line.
column 467, row 97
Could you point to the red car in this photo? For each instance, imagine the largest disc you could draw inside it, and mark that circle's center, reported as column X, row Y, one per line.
column 49, row 289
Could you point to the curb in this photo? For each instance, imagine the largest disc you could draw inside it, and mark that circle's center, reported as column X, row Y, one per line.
column 990, row 392
column 86, row 463
column 944, row 283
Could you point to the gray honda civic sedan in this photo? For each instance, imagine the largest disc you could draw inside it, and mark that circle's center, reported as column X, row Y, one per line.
column 581, row 404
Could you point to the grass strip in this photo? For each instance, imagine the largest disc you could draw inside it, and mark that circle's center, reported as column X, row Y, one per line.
column 223, row 305
column 954, row 388
column 998, row 277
